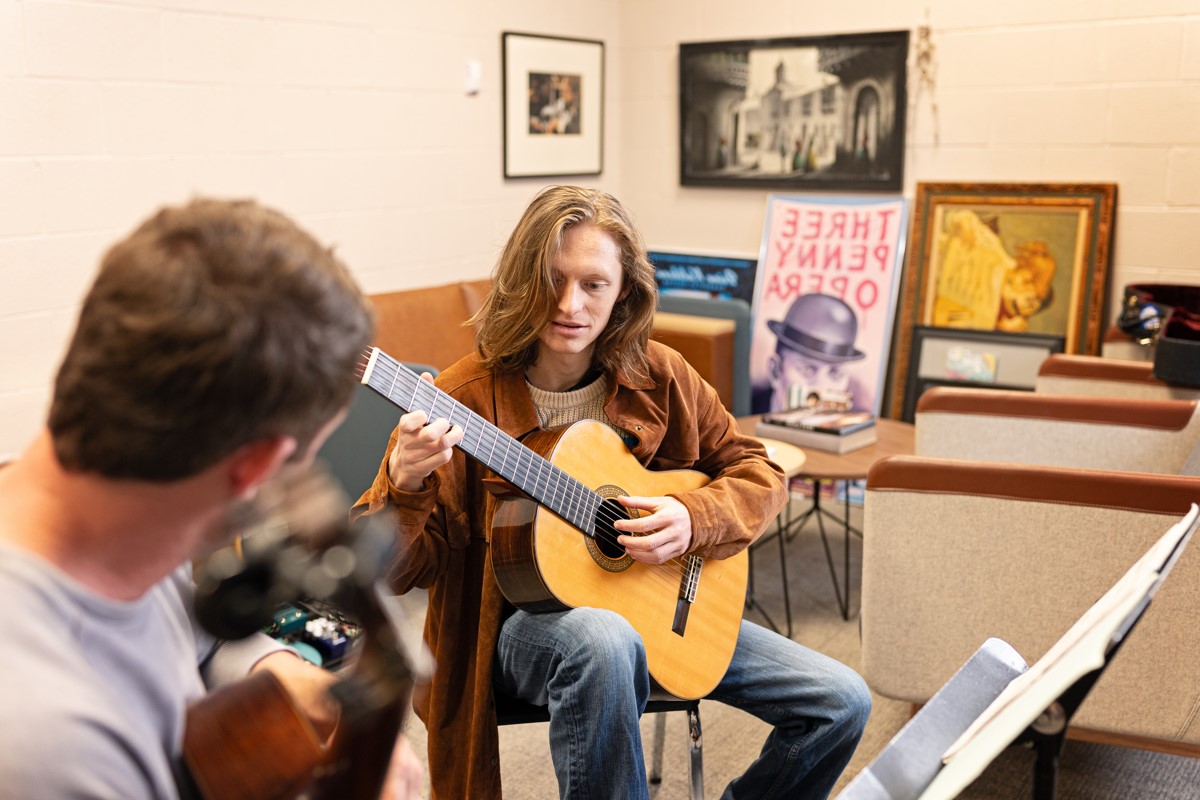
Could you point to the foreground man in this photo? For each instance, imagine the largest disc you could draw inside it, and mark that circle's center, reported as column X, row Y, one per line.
column 217, row 343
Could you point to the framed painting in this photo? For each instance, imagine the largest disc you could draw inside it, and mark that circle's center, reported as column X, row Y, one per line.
column 997, row 360
column 801, row 113
column 553, row 105
column 1019, row 258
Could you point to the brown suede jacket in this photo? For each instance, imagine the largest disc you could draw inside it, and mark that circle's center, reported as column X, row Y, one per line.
column 672, row 421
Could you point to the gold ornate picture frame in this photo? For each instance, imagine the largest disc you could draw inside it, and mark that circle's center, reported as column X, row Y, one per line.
column 1016, row 258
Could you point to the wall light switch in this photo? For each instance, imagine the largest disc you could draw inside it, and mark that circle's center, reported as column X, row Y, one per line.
column 474, row 80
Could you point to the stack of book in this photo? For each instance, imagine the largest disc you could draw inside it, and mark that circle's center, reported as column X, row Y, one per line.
column 835, row 431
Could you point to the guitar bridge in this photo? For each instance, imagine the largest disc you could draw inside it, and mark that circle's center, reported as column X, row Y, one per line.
column 689, row 582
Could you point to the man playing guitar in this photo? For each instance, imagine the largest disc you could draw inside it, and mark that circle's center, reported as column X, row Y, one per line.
column 564, row 337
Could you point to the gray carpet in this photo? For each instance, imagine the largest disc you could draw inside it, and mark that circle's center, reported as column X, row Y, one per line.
column 731, row 738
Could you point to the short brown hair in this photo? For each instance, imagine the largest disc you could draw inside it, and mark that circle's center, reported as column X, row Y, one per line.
column 522, row 298
column 210, row 326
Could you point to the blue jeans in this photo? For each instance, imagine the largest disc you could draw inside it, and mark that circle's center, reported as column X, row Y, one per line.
column 589, row 666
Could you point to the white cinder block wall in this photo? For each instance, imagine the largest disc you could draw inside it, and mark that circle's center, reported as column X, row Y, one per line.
column 352, row 117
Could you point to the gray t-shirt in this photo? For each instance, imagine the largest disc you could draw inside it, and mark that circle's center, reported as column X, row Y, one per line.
column 93, row 692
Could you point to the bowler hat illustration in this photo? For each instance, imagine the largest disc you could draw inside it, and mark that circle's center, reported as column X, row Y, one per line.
column 819, row 326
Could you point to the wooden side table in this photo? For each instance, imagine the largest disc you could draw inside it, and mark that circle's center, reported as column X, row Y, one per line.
column 820, row 466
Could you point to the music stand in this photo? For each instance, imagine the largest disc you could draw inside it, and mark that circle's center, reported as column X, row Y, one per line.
column 911, row 760
column 1035, row 705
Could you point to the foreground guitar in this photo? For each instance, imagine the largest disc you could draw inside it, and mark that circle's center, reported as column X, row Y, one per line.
column 554, row 546
column 248, row 739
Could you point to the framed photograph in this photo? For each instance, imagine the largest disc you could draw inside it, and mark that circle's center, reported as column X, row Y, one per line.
column 805, row 113
column 553, row 105
column 997, row 360
column 1020, row 258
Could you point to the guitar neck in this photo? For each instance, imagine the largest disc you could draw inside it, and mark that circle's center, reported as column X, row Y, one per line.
column 484, row 442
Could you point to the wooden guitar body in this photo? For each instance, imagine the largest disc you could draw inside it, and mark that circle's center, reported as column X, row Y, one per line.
column 544, row 563
column 253, row 716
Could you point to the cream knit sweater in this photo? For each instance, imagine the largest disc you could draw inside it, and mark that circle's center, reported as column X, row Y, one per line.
column 555, row 409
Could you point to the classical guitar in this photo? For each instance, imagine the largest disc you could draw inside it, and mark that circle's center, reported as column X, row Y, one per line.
column 554, row 546
column 247, row 739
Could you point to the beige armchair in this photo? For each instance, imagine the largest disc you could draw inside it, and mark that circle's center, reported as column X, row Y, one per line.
column 1019, row 510
column 957, row 552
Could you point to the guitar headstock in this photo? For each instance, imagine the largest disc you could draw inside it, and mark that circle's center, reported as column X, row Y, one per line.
column 275, row 536
column 296, row 542
column 366, row 362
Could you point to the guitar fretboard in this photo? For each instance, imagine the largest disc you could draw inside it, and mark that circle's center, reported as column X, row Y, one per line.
column 483, row 441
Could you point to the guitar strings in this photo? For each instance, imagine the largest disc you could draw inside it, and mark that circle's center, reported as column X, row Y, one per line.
column 669, row 571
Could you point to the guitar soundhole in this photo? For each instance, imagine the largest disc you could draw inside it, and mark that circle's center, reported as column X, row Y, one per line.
column 606, row 534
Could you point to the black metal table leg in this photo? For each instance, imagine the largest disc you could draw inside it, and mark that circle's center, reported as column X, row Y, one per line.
column 751, row 600
column 841, row 589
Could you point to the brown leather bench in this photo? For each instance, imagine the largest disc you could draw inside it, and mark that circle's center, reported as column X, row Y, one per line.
column 425, row 325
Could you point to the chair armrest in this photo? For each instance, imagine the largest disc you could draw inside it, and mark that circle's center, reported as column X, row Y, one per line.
column 1158, row 414
column 732, row 309
column 1106, row 377
column 1083, row 368
column 706, row 343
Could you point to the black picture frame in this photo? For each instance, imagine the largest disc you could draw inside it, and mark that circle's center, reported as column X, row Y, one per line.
column 553, row 105
column 811, row 113
column 1015, row 358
